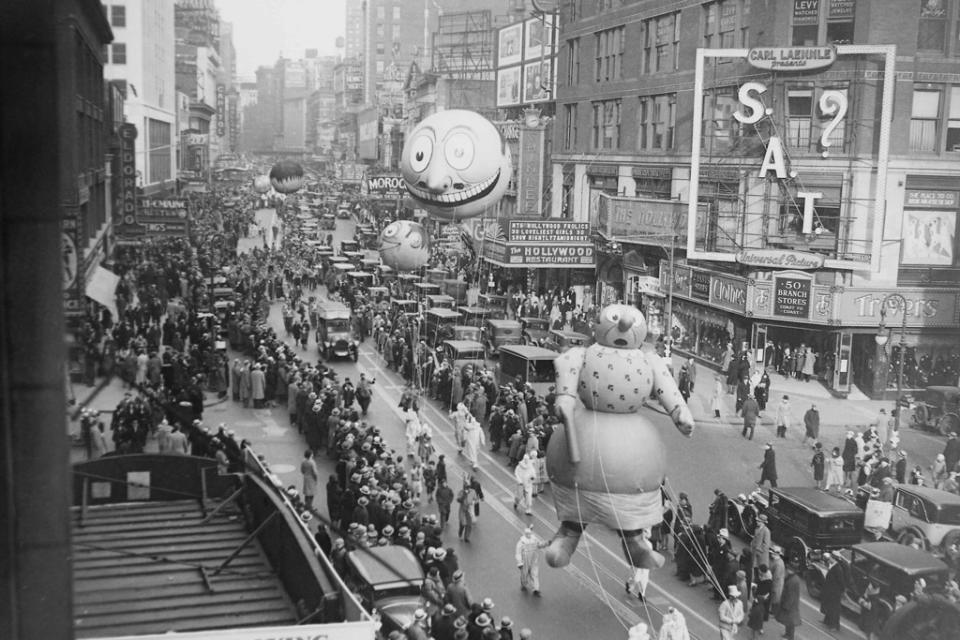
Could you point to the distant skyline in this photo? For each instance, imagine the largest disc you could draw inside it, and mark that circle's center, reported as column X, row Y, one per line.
column 266, row 29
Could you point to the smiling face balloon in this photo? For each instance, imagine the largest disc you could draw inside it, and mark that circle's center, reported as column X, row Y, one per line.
column 404, row 245
column 455, row 164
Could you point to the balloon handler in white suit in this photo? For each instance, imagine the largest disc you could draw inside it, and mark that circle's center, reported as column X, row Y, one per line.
column 607, row 463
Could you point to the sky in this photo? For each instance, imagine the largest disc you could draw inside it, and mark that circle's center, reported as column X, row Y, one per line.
column 265, row 29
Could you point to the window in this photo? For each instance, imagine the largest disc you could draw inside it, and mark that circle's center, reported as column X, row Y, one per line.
column 720, row 129
column 661, row 43
column 608, row 5
column 827, row 222
column 118, row 15
column 396, row 33
column 573, row 61
column 380, row 66
column 396, row 13
column 721, row 24
column 609, row 54
column 380, row 48
column 381, row 12
column 160, row 150
column 923, row 120
column 606, row 124
column 379, row 29
column 953, row 121
column 932, row 32
column 569, row 126
column 657, row 120
column 118, row 53
column 799, row 116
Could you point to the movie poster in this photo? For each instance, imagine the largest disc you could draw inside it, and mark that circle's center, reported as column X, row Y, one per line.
column 929, row 237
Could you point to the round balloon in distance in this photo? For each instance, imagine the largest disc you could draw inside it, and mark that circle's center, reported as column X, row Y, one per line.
column 261, row 184
column 286, row 176
column 455, row 164
column 404, row 245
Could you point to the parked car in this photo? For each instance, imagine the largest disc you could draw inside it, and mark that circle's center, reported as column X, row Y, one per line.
column 349, row 246
column 335, row 337
column 438, row 325
column 474, row 315
column 535, row 330
column 937, row 408
column 929, row 515
column 559, row 340
column 440, row 300
column 343, row 214
column 534, row 365
column 805, row 519
column 407, row 307
column 893, row 567
column 461, row 353
column 328, row 221
column 496, row 303
column 498, row 333
column 466, row 332
column 388, row 580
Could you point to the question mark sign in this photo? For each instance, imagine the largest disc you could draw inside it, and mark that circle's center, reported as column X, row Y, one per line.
column 832, row 103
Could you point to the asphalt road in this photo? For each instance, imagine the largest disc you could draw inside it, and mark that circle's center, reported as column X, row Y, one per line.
column 586, row 599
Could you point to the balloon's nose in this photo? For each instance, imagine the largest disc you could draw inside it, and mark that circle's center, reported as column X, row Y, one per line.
column 436, row 179
column 625, row 323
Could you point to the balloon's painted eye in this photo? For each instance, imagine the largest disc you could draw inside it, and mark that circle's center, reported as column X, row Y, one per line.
column 421, row 150
column 391, row 230
column 614, row 317
column 459, row 150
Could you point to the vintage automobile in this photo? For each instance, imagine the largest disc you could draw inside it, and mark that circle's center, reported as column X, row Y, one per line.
column 335, row 336
column 559, row 340
column 422, row 289
column 438, row 325
column 457, row 289
column 534, row 365
column 535, row 330
column 805, row 520
column 439, row 301
column 328, row 221
column 496, row 303
column 436, row 276
column 343, row 214
column 893, row 567
column 404, row 306
column 474, row 315
column 349, row 245
column 937, row 408
column 930, row 515
column 499, row 333
column 388, row 580
column 466, row 332
column 461, row 353
column 742, row 512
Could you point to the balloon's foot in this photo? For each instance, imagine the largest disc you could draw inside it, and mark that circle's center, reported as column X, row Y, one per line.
column 640, row 553
column 564, row 545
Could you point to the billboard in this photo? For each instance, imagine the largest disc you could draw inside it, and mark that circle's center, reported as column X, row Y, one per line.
column 525, row 61
column 539, row 82
column 508, row 86
column 164, row 216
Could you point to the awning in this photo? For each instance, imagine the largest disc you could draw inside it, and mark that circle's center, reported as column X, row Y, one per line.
column 102, row 287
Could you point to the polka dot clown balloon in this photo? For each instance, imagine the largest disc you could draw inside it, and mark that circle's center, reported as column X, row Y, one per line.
column 404, row 245
column 286, row 176
column 261, row 184
column 455, row 164
column 607, row 462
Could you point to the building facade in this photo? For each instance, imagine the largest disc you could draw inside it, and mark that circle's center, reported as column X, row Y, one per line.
column 819, row 149
column 141, row 60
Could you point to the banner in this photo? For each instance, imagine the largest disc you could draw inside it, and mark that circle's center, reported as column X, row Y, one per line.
column 877, row 515
column 102, row 287
column 221, row 110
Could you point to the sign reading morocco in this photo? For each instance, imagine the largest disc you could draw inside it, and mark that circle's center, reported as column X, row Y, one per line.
column 778, row 259
column 791, row 58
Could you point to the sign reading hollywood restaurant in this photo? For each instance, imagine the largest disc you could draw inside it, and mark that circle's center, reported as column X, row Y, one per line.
column 780, row 259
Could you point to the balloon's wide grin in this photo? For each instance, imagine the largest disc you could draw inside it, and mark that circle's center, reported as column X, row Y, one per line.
column 455, row 198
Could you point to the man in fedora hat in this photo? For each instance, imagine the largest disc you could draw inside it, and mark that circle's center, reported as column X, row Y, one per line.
column 788, row 613
column 731, row 613
column 760, row 543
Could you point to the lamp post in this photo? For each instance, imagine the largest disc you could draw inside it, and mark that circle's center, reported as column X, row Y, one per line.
column 883, row 336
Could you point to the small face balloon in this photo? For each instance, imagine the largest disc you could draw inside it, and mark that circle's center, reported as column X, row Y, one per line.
column 286, row 176
column 621, row 326
column 404, row 245
column 261, row 184
column 455, row 164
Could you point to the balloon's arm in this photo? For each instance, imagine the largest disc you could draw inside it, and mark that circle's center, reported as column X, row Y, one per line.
column 568, row 366
column 669, row 395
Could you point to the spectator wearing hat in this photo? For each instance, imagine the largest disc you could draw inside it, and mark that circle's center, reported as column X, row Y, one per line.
column 417, row 629
column 458, row 594
column 442, row 624
column 258, row 386
column 731, row 613
column 310, row 476
column 819, row 463
column 850, row 453
column 433, row 591
column 788, row 614
column 506, row 628
column 360, row 514
column 783, row 417
column 460, row 629
column 777, row 575
column 768, row 468
column 751, row 413
column 811, row 425
column 476, row 628
column 832, row 592
column 951, row 452
column 760, row 543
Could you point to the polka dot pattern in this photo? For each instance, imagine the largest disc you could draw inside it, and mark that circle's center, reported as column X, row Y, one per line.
column 614, row 380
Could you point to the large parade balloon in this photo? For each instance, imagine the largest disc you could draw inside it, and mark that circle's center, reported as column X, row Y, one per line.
column 404, row 245
column 261, row 184
column 607, row 462
column 455, row 164
column 286, row 176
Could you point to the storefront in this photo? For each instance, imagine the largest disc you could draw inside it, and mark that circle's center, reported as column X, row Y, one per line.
column 653, row 181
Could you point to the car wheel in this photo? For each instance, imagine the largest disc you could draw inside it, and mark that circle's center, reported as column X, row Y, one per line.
column 734, row 523
column 952, row 537
column 749, row 522
column 949, row 423
column 814, row 580
column 796, row 553
column 919, row 418
column 910, row 534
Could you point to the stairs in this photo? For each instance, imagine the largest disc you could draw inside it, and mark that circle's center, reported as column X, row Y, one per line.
column 137, row 570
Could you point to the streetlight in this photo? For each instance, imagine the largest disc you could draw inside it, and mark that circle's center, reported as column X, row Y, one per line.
column 883, row 336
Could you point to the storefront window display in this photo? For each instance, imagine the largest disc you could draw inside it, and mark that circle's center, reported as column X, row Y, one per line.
column 705, row 332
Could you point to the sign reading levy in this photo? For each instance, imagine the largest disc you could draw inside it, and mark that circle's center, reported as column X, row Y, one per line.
column 551, row 231
column 791, row 297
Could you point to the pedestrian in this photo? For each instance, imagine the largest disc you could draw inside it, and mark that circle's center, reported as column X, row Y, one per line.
column 716, row 401
column 528, row 553
column 640, row 576
column 506, row 629
column 818, row 462
column 811, row 424
column 850, row 454
column 673, row 626
column 760, row 544
column 835, row 471
column 951, row 451
column 783, row 417
column 258, row 385
column 308, row 470
column 685, row 381
column 768, row 468
column 323, row 540
column 444, row 495
column 870, row 610
column 751, row 412
column 755, row 616
column 731, row 613
column 525, row 474
column 777, row 576
column 762, row 391
column 789, row 612
column 832, row 592
column 433, row 591
column 458, row 594
column 473, row 439
column 467, row 500
column 364, row 393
